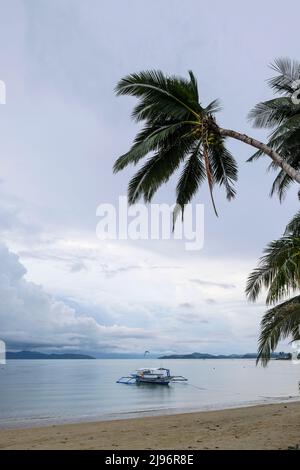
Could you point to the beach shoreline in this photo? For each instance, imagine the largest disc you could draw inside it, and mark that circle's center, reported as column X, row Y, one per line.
column 47, row 421
column 270, row 426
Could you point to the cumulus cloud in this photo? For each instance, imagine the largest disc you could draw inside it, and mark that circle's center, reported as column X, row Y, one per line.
column 30, row 316
column 115, row 297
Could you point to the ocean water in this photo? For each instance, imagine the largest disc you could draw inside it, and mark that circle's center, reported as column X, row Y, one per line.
column 36, row 392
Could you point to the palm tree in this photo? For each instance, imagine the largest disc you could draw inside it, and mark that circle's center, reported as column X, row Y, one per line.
column 178, row 128
column 279, row 273
column 282, row 115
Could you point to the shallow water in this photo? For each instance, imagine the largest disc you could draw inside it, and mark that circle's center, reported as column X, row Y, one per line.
column 46, row 391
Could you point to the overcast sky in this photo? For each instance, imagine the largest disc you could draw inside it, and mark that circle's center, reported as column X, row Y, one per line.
column 62, row 127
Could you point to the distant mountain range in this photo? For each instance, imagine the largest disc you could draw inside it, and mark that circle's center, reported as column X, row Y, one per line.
column 196, row 355
column 38, row 355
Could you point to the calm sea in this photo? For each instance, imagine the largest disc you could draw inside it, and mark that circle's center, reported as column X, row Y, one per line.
column 49, row 391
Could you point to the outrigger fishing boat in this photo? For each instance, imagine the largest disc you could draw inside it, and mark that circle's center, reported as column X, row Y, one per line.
column 159, row 376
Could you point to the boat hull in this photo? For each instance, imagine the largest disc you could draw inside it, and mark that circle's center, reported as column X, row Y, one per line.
column 152, row 381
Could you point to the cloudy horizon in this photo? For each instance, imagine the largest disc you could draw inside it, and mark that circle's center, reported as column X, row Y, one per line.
column 63, row 289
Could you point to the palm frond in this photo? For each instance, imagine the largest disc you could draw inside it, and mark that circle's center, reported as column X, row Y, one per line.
column 149, row 139
column 293, row 227
column 158, row 89
column 156, row 171
column 278, row 270
column 194, row 85
column 209, row 176
column 224, row 168
column 281, row 184
column 213, row 107
column 287, row 72
column 192, row 176
column 255, row 156
column 277, row 324
column 269, row 113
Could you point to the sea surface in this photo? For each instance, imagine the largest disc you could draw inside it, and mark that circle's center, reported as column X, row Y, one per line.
column 36, row 392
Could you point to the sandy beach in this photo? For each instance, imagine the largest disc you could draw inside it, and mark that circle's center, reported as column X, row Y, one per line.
column 256, row 427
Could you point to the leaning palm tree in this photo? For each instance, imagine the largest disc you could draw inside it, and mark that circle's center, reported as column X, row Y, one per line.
column 279, row 273
column 179, row 129
column 282, row 116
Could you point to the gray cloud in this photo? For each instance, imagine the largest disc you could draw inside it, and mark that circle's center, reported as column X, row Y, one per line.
column 76, row 262
column 77, row 267
column 109, row 271
column 222, row 285
column 210, row 301
column 191, row 317
column 186, row 305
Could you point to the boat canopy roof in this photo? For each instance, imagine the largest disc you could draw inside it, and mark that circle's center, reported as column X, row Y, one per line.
column 153, row 372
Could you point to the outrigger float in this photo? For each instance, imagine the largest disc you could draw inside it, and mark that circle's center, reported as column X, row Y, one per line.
column 159, row 376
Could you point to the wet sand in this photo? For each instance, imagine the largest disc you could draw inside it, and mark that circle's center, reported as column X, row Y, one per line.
column 256, row 427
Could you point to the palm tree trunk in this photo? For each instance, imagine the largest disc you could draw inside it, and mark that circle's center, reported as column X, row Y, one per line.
column 294, row 174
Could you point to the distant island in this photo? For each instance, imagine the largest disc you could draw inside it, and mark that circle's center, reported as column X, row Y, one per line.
column 38, row 355
column 195, row 355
